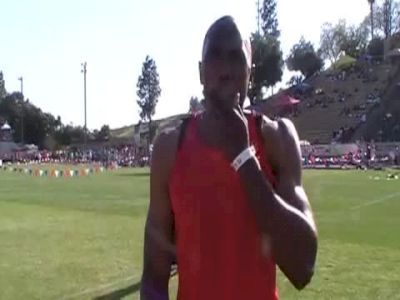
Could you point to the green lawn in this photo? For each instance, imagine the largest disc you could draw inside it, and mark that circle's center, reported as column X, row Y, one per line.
column 82, row 238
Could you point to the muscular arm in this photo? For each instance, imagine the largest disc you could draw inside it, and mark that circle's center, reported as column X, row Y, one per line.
column 158, row 245
column 284, row 214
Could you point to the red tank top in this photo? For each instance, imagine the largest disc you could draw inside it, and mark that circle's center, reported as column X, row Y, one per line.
column 218, row 243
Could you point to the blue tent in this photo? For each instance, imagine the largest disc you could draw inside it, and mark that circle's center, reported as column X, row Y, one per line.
column 303, row 88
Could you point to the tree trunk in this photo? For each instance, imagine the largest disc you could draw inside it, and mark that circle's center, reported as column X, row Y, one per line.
column 258, row 95
column 150, row 136
column 372, row 19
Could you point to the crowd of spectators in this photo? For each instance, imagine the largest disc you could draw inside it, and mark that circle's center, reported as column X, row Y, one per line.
column 121, row 155
column 357, row 90
column 362, row 158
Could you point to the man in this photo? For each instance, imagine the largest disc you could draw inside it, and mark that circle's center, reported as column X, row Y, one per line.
column 232, row 210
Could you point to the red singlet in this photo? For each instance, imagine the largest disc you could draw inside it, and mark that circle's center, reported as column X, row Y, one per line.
column 218, row 243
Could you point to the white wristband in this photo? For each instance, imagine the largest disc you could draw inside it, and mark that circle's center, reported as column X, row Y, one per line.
column 244, row 156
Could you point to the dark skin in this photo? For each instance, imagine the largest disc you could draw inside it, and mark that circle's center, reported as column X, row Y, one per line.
column 283, row 214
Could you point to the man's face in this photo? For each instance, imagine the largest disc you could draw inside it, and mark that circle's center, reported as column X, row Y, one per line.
column 225, row 70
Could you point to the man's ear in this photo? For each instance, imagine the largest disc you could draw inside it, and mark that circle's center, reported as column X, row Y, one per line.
column 201, row 72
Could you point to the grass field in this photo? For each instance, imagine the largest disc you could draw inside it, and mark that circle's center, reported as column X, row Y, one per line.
column 82, row 238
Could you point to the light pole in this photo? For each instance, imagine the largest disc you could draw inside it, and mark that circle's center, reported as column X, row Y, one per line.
column 84, row 70
column 21, row 79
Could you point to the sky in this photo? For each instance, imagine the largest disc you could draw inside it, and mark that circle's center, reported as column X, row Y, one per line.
column 45, row 42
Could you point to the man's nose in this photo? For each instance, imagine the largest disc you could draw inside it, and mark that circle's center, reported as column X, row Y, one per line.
column 225, row 76
column 226, row 70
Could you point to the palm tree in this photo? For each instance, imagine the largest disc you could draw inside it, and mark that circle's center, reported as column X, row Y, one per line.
column 371, row 5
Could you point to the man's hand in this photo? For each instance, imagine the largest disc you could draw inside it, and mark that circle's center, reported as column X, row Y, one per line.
column 228, row 131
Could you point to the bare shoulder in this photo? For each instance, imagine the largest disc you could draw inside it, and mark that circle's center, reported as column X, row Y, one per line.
column 165, row 145
column 167, row 139
column 165, row 148
column 281, row 130
column 282, row 142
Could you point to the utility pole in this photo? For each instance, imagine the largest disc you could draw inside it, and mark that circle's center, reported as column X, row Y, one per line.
column 21, row 79
column 84, row 70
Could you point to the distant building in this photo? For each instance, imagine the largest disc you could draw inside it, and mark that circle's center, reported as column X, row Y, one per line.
column 5, row 133
column 7, row 147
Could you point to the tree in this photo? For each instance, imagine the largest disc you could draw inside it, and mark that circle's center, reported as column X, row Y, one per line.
column 267, row 65
column 371, row 7
column 331, row 40
column 269, row 19
column 266, row 53
column 355, row 40
column 148, row 91
column 58, row 123
column 36, row 125
column 376, row 47
column 339, row 38
column 63, row 136
column 39, row 128
column 303, row 58
column 103, row 134
column 387, row 18
column 195, row 105
column 73, row 134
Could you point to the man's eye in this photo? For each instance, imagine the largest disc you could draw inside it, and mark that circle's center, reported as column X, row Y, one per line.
column 237, row 56
column 214, row 54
